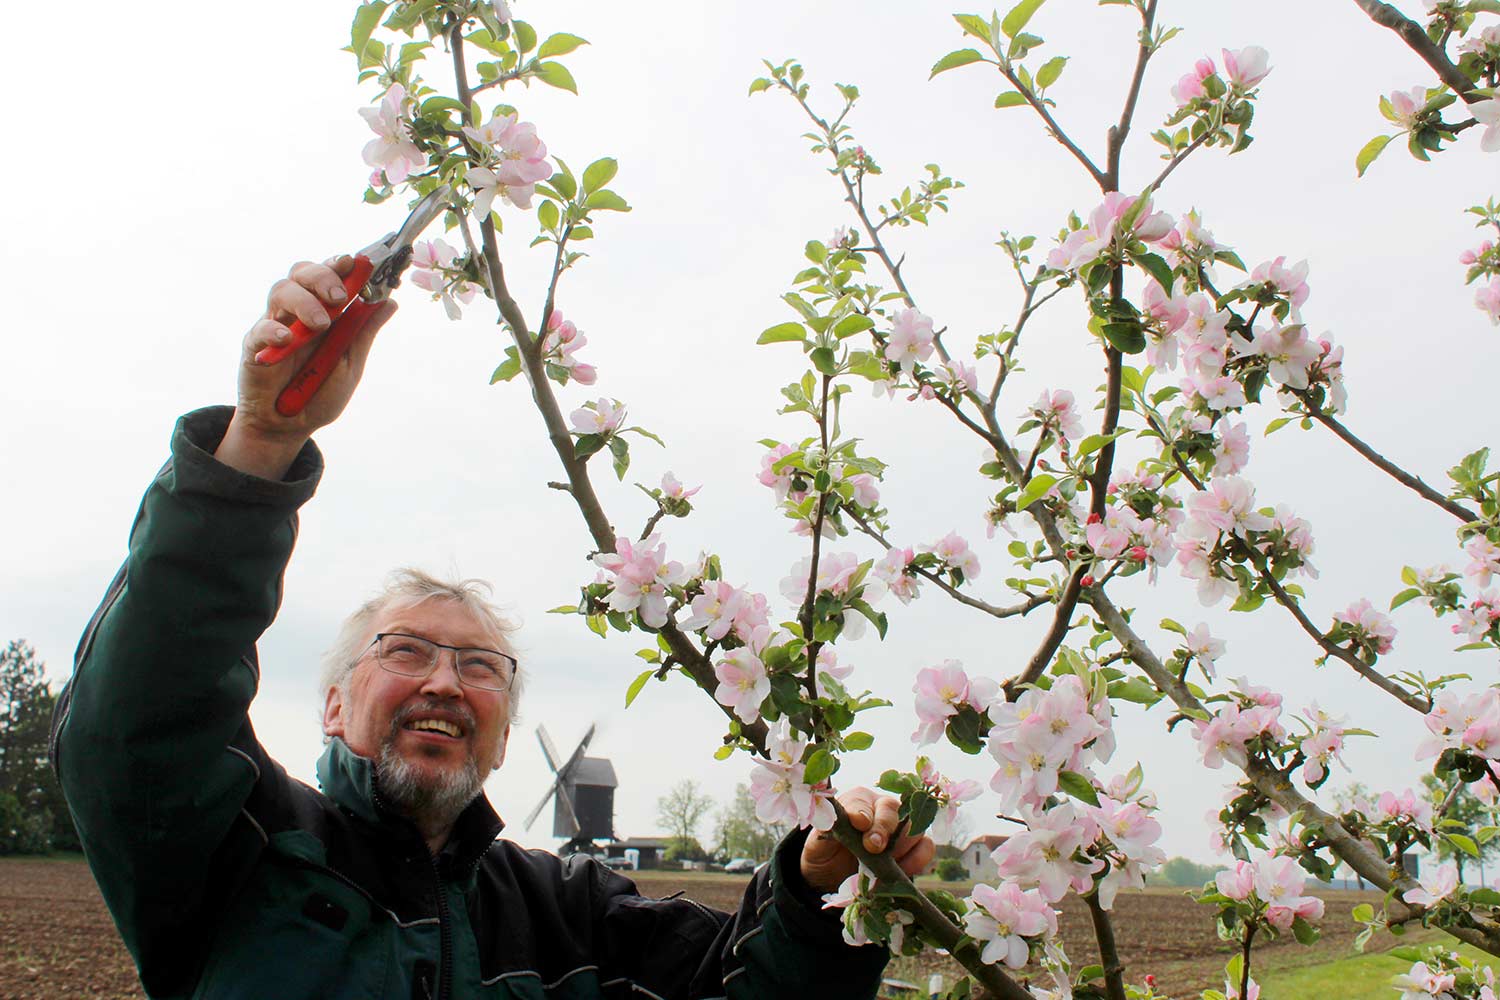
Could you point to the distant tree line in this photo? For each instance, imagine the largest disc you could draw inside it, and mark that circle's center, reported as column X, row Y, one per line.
column 34, row 817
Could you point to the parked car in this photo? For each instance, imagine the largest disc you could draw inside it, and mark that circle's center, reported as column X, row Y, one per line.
column 741, row 866
column 618, row 864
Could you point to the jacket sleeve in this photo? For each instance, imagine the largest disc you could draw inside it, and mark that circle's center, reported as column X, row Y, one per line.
column 780, row 943
column 151, row 738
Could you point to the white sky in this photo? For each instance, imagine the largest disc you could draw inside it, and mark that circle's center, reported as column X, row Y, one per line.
column 180, row 165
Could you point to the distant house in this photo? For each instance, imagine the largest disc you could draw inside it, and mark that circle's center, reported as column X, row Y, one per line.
column 647, row 850
column 976, row 857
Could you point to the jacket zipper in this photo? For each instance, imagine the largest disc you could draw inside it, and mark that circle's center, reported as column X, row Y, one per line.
column 445, row 948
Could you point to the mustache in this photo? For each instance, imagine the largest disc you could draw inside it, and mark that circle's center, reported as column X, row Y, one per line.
column 457, row 713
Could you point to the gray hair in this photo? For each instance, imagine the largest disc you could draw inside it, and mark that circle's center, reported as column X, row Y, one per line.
column 404, row 588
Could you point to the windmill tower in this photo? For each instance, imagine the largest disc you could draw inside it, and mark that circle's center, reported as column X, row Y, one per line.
column 582, row 793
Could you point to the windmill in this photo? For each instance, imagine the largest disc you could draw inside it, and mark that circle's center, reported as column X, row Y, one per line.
column 582, row 792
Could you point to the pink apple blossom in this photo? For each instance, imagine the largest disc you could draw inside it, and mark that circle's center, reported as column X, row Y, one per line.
column 1190, row 87
column 671, row 487
column 392, row 150
column 642, row 575
column 956, row 377
column 1370, row 629
column 941, row 691
column 1484, row 559
column 866, row 493
column 829, row 669
column 1058, row 414
column 1421, row 983
column 1238, row 883
column 1408, row 807
column 910, row 340
column 743, row 683
column 561, row 341
column 715, row 609
column 1433, row 888
column 781, row 481
column 514, row 160
column 432, row 269
column 1223, row 737
column 1246, row 67
column 602, row 416
column 1204, row 648
column 1279, row 883
column 1003, row 918
column 955, row 554
column 1232, row 990
column 1228, row 505
column 777, row 786
column 1232, row 451
column 1487, row 113
column 1488, row 299
column 1478, row 620
column 1290, row 281
column 891, row 569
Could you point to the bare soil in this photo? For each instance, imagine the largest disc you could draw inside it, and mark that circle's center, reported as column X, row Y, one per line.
column 57, row 941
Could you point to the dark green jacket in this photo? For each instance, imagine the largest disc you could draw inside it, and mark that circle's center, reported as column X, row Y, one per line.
column 228, row 878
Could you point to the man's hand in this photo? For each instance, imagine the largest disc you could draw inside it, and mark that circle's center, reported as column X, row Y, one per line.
column 259, row 440
column 826, row 862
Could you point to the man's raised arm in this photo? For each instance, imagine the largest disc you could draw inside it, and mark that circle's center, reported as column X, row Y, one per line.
column 151, row 738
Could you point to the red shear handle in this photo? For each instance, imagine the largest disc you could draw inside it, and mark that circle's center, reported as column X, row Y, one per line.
column 305, row 384
column 301, row 334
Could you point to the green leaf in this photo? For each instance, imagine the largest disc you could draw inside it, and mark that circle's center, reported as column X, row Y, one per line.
column 555, row 74
column 783, row 333
column 1369, row 151
column 961, row 57
column 620, row 449
column 1039, row 484
column 1125, row 337
column 588, row 444
column 759, row 84
column 1018, row 16
column 823, row 360
column 559, row 45
column 1050, row 71
column 974, row 25
column 1363, row 913
column 820, row 766
column 1158, row 269
column 636, row 685
column 607, row 201
column 509, row 368
column 850, row 325
column 1410, row 594
column 1304, row 932
column 1077, row 786
column 525, row 35
column 547, row 214
column 1093, row 443
column 365, row 20
column 1010, row 99
column 724, row 752
column 599, row 173
column 896, row 782
column 1463, row 843
column 1484, row 897
column 1137, row 690
column 858, row 741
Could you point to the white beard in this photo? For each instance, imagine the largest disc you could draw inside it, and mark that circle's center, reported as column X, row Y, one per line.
column 432, row 801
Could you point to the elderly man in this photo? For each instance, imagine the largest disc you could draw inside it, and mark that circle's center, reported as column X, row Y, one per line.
column 228, row 878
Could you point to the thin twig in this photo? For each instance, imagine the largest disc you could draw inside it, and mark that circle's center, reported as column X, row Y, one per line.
column 1109, row 953
column 1411, row 482
column 1031, row 603
column 1416, row 39
column 948, row 935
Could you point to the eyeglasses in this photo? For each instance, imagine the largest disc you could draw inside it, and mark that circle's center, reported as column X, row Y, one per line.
column 414, row 656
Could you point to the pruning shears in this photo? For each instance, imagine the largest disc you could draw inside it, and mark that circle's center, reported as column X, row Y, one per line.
column 377, row 272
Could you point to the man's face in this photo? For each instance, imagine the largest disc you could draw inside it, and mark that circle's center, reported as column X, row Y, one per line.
column 381, row 715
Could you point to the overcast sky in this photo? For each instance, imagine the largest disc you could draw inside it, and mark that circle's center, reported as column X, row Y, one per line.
column 178, row 164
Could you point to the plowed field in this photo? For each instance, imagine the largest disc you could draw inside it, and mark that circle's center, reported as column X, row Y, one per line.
column 57, row 942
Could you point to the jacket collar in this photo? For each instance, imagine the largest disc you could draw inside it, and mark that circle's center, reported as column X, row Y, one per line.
column 349, row 780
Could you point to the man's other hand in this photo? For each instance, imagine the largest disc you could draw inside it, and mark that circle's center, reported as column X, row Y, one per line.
column 826, row 863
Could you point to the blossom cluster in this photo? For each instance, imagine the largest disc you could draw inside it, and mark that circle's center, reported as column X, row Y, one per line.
column 1470, row 724
column 779, row 786
column 1275, row 889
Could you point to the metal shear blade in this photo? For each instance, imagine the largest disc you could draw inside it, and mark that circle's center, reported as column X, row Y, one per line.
column 392, row 253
